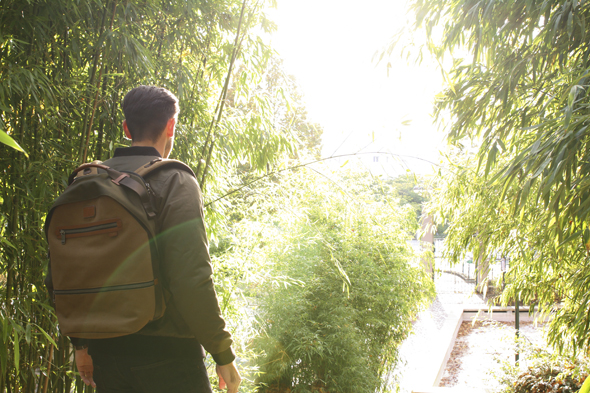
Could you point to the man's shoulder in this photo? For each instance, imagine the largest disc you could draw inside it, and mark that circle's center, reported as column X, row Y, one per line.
column 168, row 167
column 172, row 171
column 174, row 180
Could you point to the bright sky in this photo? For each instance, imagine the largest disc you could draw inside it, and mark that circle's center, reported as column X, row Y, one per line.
column 328, row 45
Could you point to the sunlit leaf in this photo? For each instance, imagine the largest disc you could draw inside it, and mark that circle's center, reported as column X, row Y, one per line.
column 7, row 140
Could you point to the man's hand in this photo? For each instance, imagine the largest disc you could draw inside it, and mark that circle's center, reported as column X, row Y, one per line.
column 85, row 366
column 229, row 376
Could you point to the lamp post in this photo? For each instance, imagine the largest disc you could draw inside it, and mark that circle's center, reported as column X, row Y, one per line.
column 517, row 326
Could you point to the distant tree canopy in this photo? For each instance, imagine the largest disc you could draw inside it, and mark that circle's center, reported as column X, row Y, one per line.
column 517, row 95
column 410, row 190
column 407, row 190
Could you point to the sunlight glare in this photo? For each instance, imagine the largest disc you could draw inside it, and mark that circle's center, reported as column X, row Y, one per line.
column 328, row 46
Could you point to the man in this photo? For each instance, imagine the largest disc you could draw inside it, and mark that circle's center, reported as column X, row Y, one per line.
column 167, row 354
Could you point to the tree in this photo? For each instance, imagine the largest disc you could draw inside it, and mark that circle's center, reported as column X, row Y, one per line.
column 517, row 92
column 64, row 67
column 285, row 109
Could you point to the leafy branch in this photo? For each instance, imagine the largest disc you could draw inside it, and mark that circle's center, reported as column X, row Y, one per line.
column 275, row 172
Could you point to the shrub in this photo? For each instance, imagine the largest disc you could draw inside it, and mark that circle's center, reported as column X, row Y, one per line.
column 341, row 290
column 544, row 373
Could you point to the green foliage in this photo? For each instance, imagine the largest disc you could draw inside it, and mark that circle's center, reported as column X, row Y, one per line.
column 339, row 285
column 284, row 105
column 544, row 373
column 482, row 222
column 516, row 95
column 64, row 69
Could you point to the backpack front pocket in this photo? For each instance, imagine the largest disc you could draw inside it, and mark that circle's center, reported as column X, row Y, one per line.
column 105, row 312
column 112, row 227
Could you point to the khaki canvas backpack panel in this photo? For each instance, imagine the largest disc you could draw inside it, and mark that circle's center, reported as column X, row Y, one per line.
column 85, row 279
column 104, row 259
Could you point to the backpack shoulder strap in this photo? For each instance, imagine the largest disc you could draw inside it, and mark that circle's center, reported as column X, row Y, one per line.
column 159, row 163
column 119, row 179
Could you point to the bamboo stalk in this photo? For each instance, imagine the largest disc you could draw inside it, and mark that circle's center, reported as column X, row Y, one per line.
column 48, row 372
column 92, row 76
column 199, row 74
column 40, row 384
column 84, row 156
column 98, row 147
column 222, row 101
column 210, row 140
column 275, row 172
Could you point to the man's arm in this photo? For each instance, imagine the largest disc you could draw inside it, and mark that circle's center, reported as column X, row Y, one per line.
column 186, row 266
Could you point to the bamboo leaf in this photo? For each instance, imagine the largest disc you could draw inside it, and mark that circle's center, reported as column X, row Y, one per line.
column 570, row 24
column 7, row 140
column 3, row 356
column 542, row 167
column 28, row 333
column 6, row 242
column 570, row 238
column 491, row 159
column 6, row 329
column 525, row 191
column 47, row 336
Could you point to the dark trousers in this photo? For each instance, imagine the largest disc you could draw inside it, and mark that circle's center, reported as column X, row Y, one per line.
column 145, row 374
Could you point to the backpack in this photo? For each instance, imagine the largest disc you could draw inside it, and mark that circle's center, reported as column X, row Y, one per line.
column 104, row 259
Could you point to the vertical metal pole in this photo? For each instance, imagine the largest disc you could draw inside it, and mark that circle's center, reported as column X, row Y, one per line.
column 433, row 258
column 517, row 326
column 503, row 268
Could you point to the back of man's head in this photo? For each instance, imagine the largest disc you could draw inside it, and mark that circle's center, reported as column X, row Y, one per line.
column 147, row 110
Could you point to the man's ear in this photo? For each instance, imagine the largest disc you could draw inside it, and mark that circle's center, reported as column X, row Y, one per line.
column 126, row 129
column 170, row 127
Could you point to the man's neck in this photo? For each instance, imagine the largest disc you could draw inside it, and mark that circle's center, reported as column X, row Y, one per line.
column 159, row 145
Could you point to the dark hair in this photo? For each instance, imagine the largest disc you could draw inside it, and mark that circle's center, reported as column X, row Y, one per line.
column 147, row 110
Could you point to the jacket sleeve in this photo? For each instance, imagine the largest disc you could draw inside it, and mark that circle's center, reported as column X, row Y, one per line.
column 186, row 265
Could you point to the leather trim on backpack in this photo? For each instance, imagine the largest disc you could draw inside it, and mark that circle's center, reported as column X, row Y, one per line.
column 85, row 171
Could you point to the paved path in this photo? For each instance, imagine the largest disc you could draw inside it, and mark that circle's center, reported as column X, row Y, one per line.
column 451, row 291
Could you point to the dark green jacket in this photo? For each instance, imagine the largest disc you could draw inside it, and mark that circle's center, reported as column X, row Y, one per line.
column 192, row 310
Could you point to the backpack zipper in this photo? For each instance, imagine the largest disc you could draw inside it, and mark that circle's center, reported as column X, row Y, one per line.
column 139, row 285
column 65, row 232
